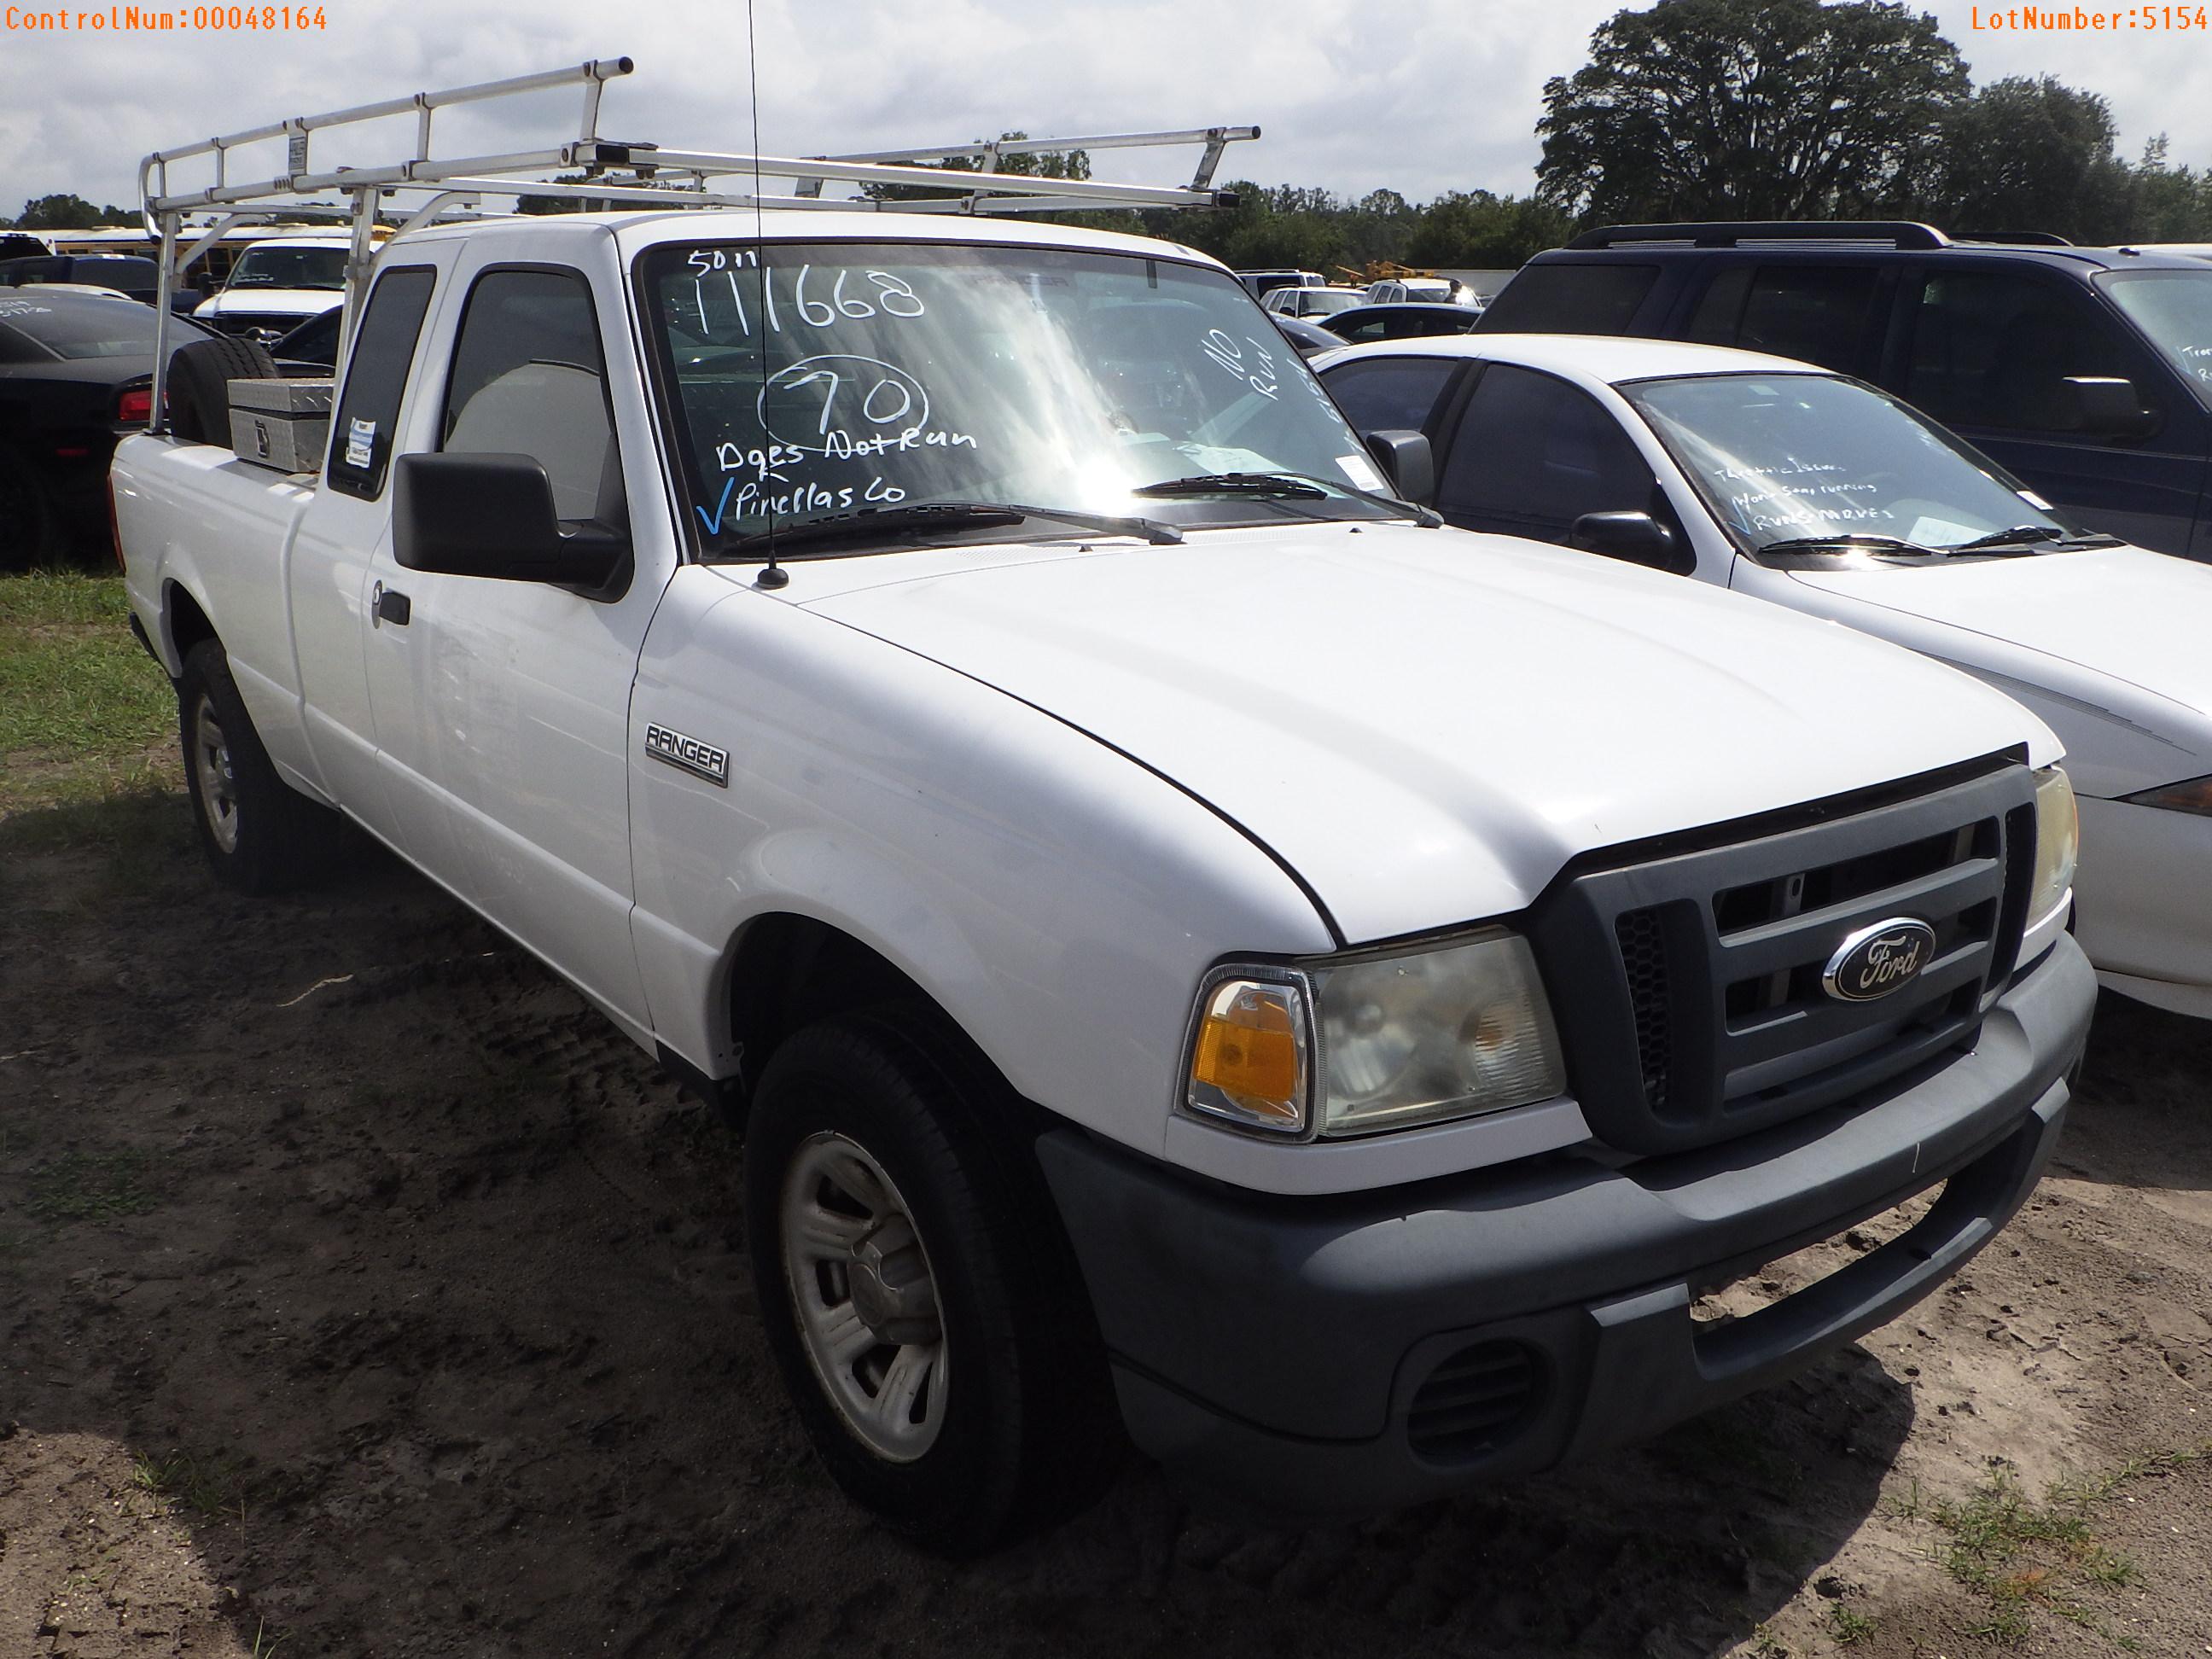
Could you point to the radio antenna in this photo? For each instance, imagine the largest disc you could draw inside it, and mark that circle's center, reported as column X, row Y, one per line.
column 773, row 575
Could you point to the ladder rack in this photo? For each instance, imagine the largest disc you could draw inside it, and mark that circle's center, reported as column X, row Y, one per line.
column 613, row 171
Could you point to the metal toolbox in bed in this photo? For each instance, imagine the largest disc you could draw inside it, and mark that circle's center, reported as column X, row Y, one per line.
column 283, row 424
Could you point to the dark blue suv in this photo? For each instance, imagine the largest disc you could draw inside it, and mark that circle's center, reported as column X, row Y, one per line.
column 2085, row 371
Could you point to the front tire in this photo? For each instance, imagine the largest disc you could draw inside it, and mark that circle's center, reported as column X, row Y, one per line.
column 921, row 1303
column 260, row 835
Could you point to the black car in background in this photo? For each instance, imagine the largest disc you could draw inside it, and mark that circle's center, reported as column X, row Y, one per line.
column 2087, row 372
column 1400, row 320
column 75, row 369
column 126, row 273
column 311, row 347
column 1305, row 335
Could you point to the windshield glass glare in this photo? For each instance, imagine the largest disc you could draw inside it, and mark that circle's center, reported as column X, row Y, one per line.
column 2174, row 308
column 811, row 381
column 290, row 267
column 1784, row 457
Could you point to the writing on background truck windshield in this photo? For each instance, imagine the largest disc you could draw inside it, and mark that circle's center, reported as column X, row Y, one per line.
column 821, row 380
column 1785, row 457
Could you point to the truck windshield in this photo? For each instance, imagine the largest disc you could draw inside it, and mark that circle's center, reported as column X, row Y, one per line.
column 1802, row 465
column 290, row 267
column 2174, row 308
column 812, row 382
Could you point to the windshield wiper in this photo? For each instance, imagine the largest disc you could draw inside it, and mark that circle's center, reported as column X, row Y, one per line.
column 2019, row 535
column 1859, row 541
column 1284, row 486
column 948, row 515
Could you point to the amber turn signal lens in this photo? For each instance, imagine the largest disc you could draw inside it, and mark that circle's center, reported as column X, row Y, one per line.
column 1250, row 1062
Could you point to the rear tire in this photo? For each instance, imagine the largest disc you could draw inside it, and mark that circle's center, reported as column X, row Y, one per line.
column 260, row 835
column 200, row 374
column 924, row 1308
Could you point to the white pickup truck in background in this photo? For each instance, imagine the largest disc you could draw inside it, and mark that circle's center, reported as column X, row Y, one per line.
column 1196, row 942
column 275, row 286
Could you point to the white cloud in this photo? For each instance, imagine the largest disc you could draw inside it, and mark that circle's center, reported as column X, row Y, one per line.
column 1421, row 95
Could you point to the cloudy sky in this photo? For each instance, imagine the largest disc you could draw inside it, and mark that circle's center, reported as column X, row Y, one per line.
column 1421, row 95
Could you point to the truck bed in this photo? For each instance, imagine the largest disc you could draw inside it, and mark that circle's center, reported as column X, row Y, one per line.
column 221, row 529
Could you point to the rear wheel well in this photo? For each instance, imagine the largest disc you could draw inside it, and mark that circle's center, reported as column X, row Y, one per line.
column 186, row 622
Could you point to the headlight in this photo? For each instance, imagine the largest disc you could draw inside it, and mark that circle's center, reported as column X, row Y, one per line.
column 2057, row 840
column 2195, row 796
column 1446, row 1033
column 1449, row 1031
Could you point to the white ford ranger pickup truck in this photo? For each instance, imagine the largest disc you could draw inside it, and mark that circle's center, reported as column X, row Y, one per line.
column 1196, row 942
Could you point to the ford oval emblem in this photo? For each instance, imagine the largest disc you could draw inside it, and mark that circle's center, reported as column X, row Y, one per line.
column 1876, row 960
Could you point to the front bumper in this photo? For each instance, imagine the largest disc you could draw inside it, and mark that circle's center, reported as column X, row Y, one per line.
column 1362, row 1353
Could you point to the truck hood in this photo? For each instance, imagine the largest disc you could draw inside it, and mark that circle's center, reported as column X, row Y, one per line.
column 1425, row 725
column 2108, row 645
column 302, row 302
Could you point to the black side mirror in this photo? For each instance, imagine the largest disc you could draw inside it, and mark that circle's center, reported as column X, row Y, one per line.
column 2107, row 406
column 1638, row 538
column 492, row 515
column 1407, row 462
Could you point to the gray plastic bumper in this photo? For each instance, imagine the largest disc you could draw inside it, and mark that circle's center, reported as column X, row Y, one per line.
column 1276, row 1347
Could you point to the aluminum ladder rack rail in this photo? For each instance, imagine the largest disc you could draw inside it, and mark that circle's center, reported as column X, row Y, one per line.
column 452, row 183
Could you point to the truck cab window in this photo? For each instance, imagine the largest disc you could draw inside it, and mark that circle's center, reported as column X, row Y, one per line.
column 361, row 451
column 529, row 379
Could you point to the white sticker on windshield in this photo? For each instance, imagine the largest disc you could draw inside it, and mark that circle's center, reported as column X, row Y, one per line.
column 360, row 442
column 2035, row 500
column 1940, row 533
column 1362, row 472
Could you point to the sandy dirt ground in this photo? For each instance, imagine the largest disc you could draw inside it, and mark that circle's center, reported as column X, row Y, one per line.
column 362, row 1293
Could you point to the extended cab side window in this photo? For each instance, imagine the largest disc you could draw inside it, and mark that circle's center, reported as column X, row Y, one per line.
column 1816, row 314
column 384, row 346
column 1994, row 349
column 528, row 379
column 1533, row 455
column 1391, row 394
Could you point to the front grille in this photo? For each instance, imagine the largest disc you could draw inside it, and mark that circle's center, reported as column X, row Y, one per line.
column 1472, row 1402
column 1688, row 985
column 1643, row 959
column 255, row 324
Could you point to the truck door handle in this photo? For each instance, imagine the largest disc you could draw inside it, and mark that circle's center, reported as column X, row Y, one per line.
column 388, row 604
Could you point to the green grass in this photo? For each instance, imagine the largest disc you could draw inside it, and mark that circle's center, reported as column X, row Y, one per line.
column 2022, row 1557
column 91, row 1187
column 213, row 1488
column 85, row 714
column 1849, row 1628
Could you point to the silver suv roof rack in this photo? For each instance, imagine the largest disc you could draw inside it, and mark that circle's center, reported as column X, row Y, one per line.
column 641, row 173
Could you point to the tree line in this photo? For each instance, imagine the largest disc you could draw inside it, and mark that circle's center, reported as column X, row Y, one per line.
column 1704, row 109
column 1790, row 109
